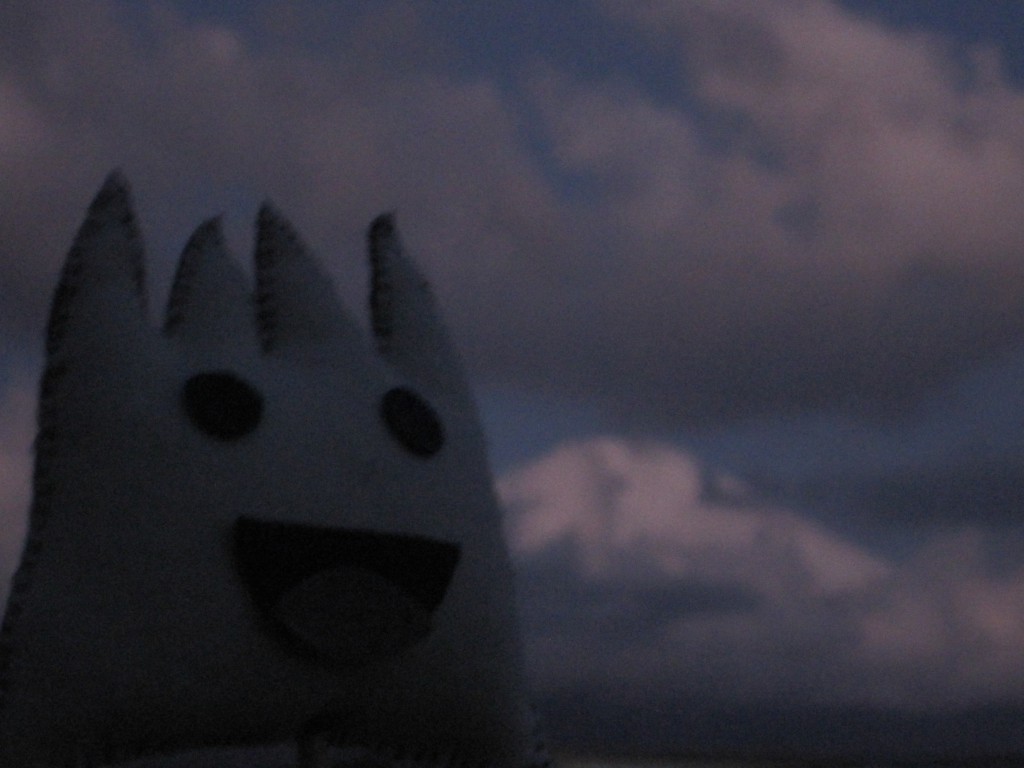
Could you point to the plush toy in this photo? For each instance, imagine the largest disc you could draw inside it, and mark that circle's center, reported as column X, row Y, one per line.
column 253, row 527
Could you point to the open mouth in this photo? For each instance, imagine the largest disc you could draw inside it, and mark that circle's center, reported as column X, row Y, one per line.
column 339, row 595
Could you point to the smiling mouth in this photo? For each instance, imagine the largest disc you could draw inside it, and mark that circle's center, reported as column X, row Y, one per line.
column 343, row 596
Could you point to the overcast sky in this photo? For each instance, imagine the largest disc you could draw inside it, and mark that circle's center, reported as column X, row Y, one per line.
column 740, row 285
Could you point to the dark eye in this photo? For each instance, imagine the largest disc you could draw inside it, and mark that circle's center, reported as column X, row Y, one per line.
column 412, row 421
column 222, row 405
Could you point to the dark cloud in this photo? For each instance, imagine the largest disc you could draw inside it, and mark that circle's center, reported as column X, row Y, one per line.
column 951, row 459
column 595, row 721
column 618, row 609
column 986, row 494
column 17, row 429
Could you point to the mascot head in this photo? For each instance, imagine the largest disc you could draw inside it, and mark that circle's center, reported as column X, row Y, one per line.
column 252, row 525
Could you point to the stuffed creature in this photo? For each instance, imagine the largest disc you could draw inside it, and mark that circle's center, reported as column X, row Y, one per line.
column 256, row 538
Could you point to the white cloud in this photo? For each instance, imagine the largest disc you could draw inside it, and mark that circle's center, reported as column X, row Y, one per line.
column 334, row 136
column 903, row 149
column 641, row 508
column 616, row 540
column 829, row 215
column 782, row 283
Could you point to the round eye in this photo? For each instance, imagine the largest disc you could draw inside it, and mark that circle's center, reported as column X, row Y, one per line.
column 222, row 405
column 412, row 421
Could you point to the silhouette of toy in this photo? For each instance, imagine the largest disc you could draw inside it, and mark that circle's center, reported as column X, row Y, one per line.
column 253, row 527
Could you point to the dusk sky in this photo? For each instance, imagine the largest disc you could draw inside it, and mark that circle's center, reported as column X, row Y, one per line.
column 739, row 285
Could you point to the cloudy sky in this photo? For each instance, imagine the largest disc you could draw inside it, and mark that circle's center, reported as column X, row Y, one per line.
column 740, row 285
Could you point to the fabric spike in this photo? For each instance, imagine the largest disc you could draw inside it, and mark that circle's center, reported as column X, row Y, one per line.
column 106, row 256
column 405, row 319
column 296, row 305
column 210, row 300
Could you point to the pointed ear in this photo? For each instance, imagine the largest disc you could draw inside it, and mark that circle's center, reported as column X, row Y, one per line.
column 406, row 323
column 102, row 284
column 211, row 302
column 298, row 311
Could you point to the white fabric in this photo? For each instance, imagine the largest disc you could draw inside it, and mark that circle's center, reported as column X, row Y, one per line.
column 128, row 631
